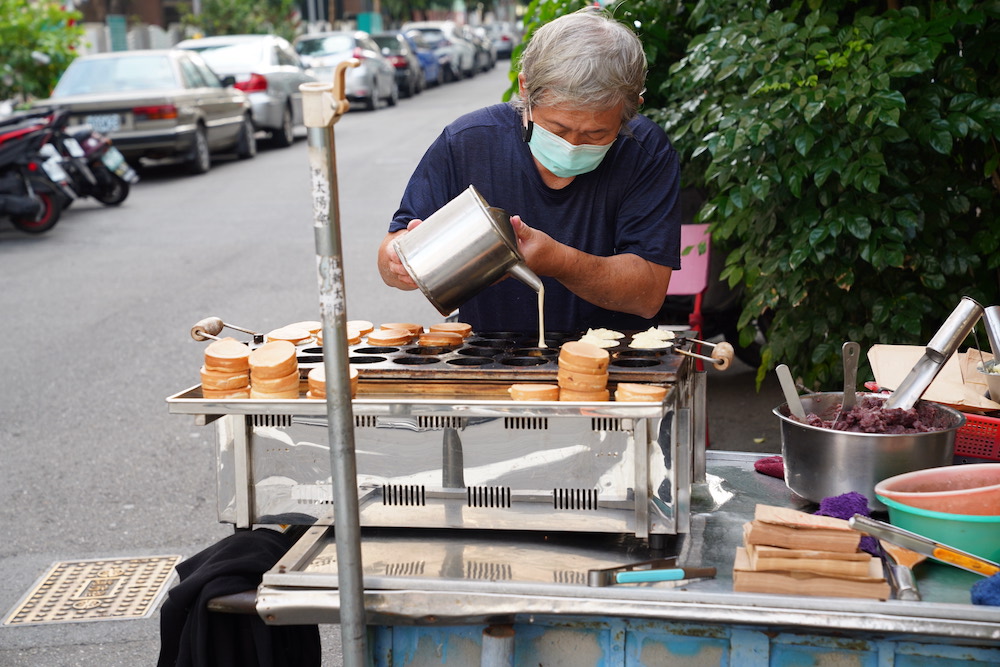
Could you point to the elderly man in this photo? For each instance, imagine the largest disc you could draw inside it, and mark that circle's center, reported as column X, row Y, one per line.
column 594, row 186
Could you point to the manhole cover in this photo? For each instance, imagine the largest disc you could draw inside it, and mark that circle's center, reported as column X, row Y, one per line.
column 110, row 589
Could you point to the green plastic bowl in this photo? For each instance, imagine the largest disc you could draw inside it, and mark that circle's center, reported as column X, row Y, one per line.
column 977, row 534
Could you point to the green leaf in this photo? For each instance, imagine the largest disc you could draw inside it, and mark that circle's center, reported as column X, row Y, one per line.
column 870, row 180
column 859, row 227
column 804, row 142
column 991, row 165
column 798, row 256
column 941, row 141
column 794, row 181
column 760, row 188
column 823, row 172
column 736, row 197
column 812, row 110
column 726, row 72
column 905, row 68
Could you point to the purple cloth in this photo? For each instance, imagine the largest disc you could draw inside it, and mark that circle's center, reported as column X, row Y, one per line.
column 844, row 507
column 770, row 465
column 987, row 591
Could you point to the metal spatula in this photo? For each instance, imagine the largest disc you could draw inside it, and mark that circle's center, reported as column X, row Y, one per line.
column 850, row 352
column 791, row 393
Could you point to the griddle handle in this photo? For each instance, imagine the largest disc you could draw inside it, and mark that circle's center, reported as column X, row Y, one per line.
column 210, row 327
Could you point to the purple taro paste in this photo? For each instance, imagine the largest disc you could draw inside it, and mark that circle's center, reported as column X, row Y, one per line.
column 868, row 416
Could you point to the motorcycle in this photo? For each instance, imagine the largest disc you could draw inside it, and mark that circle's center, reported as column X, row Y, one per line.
column 34, row 188
column 97, row 169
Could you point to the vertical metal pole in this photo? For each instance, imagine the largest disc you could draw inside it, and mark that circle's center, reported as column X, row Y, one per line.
column 323, row 104
column 498, row 646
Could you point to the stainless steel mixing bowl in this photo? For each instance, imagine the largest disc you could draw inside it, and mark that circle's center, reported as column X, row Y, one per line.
column 820, row 462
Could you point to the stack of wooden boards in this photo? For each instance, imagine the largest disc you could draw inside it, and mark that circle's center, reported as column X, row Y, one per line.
column 794, row 553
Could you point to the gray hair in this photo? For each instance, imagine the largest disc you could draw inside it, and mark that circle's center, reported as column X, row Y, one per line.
column 583, row 60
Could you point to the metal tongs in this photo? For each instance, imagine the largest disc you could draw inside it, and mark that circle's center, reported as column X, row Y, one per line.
column 211, row 327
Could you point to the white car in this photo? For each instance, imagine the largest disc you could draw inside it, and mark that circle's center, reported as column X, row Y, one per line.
column 268, row 70
column 445, row 37
column 373, row 82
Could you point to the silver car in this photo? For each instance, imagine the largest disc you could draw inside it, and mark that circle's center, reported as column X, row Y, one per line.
column 446, row 38
column 268, row 70
column 157, row 104
column 373, row 82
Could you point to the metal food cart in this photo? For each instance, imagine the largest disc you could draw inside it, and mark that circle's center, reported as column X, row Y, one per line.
column 482, row 518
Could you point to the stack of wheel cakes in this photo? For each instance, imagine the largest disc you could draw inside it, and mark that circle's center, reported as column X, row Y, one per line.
column 274, row 371
column 226, row 371
column 583, row 372
column 583, row 376
column 317, row 382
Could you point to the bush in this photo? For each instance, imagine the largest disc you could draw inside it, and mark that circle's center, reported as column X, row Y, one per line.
column 850, row 158
column 44, row 29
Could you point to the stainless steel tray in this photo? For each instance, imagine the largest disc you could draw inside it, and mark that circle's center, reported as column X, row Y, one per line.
column 191, row 402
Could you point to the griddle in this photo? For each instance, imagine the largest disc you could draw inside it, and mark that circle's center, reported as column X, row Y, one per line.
column 496, row 357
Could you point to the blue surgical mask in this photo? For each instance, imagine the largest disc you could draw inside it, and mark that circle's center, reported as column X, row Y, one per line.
column 561, row 157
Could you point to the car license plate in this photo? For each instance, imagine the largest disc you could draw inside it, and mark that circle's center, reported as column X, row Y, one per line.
column 73, row 146
column 104, row 122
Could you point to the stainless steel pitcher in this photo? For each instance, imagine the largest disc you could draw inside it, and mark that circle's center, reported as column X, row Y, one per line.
column 460, row 249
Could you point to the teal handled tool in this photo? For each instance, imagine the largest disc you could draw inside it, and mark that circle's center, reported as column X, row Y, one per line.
column 660, row 569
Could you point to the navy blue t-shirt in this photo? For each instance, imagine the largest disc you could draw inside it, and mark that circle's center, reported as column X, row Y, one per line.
column 629, row 204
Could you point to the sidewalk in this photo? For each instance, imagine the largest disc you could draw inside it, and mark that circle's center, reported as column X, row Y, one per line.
column 739, row 417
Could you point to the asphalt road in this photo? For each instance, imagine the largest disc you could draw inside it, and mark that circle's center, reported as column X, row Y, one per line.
column 96, row 315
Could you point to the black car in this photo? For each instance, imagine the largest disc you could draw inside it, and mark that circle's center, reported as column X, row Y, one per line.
column 409, row 73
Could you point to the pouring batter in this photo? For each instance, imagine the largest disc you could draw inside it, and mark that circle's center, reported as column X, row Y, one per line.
column 596, row 184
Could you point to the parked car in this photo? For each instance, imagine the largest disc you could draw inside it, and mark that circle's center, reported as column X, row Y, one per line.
column 486, row 53
column 268, row 70
column 504, row 38
column 409, row 73
column 157, row 104
column 446, row 37
column 433, row 65
column 373, row 82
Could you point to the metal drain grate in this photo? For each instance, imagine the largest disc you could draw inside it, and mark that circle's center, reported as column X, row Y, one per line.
column 108, row 589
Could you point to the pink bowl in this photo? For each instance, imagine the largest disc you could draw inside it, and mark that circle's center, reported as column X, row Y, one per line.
column 957, row 489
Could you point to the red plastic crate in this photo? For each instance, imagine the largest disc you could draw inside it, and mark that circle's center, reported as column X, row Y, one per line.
column 979, row 438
